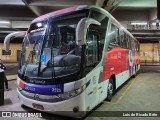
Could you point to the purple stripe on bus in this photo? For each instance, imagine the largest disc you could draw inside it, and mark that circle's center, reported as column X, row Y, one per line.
column 44, row 89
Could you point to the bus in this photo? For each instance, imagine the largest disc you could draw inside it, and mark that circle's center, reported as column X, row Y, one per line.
column 73, row 59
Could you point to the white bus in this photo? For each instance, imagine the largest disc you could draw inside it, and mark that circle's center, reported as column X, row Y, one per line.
column 73, row 59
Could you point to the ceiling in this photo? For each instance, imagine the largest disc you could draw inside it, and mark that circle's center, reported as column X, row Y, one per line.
column 139, row 11
column 19, row 14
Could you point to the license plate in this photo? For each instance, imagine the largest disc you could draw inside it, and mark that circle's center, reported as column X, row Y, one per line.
column 38, row 106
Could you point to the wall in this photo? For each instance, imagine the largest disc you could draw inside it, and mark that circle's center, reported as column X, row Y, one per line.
column 10, row 58
column 150, row 52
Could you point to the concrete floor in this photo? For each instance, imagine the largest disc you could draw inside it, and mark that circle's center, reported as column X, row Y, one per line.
column 141, row 93
column 11, row 68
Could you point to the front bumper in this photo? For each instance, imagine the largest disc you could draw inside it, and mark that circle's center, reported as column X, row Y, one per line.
column 65, row 108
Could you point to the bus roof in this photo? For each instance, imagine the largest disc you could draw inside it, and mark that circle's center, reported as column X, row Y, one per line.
column 75, row 8
column 58, row 12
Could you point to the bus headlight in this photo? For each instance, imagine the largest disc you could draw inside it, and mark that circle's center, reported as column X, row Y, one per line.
column 70, row 94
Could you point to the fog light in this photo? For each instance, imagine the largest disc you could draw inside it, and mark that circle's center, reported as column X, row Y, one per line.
column 76, row 109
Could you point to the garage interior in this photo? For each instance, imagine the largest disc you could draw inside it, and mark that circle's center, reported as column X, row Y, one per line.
column 140, row 17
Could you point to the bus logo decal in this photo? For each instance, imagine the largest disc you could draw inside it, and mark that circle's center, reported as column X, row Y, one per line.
column 131, row 61
column 45, row 90
column 130, row 58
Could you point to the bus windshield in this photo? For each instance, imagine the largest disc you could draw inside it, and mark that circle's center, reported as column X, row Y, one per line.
column 33, row 44
column 49, row 49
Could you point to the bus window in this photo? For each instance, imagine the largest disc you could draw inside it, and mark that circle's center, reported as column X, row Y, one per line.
column 125, row 40
column 122, row 35
column 113, row 37
column 136, row 46
column 132, row 44
column 128, row 43
column 92, row 48
column 103, row 19
column 98, row 15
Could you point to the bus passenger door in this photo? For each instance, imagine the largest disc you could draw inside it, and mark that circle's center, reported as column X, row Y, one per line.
column 92, row 71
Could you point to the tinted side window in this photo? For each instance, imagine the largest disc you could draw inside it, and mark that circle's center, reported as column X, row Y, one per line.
column 128, row 41
column 92, row 48
column 137, row 46
column 103, row 19
column 132, row 44
column 113, row 35
column 122, row 38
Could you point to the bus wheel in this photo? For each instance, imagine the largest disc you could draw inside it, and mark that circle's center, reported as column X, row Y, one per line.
column 110, row 89
column 135, row 70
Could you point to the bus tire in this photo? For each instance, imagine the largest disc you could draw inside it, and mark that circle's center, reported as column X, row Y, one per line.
column 135, row 70
column 23, row 106
column 110, row 89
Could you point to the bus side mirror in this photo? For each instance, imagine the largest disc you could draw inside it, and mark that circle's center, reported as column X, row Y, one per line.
column 81, row 29
column 10, row 36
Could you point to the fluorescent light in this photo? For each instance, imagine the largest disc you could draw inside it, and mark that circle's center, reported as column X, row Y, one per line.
column 139, row 23
column 155, row 23
column 4, row 22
